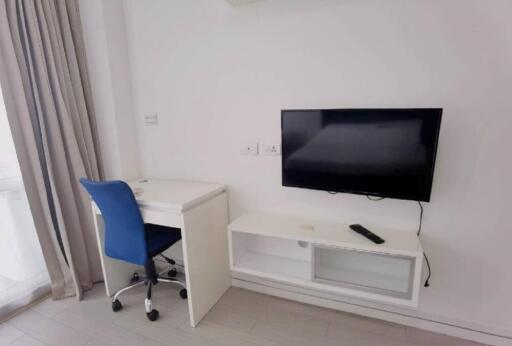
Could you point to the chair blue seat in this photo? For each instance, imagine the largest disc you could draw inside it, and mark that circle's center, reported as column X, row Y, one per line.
column 160, row 238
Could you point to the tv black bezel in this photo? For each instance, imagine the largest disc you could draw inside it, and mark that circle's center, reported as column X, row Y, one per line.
column 425, row 198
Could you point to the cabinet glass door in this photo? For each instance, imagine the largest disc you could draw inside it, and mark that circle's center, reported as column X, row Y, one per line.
column 372, row 272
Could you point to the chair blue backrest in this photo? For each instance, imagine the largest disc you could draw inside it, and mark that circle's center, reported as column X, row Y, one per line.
column 125, row 236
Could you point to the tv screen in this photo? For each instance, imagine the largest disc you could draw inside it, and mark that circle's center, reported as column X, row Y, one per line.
column 377, row 152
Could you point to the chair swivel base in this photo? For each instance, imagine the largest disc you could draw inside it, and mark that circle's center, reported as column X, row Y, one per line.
column 152, row 314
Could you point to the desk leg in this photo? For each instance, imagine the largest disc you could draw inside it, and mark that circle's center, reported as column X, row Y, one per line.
column 205, row 253
column 116, row 273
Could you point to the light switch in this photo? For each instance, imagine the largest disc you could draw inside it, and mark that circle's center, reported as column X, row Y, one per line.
column 151, row 119
column 249, row 149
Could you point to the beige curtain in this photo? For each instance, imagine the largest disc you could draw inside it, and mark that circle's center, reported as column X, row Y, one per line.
column 48, row 101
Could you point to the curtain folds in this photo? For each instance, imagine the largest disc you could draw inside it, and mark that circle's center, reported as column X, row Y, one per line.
column 48, row 101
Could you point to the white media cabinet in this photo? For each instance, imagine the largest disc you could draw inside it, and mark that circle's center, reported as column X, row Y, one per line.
column 327, row 256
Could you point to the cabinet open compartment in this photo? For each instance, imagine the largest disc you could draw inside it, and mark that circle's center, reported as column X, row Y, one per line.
column 270, row 256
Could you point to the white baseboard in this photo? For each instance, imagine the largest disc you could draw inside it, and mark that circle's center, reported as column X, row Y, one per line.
column 453, row 328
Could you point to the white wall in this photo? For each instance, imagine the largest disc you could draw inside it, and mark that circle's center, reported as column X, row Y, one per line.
column 218, row 77
column 109, row 71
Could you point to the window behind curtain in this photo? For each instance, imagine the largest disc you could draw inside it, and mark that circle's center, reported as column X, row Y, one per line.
column 23, row 272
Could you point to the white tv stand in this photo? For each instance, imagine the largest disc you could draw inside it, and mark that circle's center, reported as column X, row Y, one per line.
column 327, row 256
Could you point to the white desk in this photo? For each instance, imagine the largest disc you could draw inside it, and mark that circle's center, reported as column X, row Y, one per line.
column 200, row 211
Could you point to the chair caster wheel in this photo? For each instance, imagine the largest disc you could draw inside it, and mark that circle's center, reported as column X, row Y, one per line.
column 153, row 315
column 135, row 278
column 172, row 273
column 183, row 293
column 116, row 305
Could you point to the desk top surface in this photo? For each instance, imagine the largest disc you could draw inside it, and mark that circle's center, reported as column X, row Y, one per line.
column 174, row 195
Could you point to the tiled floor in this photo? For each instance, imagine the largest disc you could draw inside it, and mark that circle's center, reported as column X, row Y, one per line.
column 240, row 318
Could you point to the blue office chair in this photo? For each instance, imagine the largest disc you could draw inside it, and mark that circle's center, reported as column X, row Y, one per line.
column 127, row 238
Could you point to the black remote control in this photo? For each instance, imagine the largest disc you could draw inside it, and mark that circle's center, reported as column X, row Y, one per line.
column 367, row 233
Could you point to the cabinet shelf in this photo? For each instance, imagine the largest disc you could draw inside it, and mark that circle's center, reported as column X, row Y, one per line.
column 330, row 233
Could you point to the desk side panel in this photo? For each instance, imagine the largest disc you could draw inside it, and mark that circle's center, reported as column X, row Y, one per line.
column 206, row 256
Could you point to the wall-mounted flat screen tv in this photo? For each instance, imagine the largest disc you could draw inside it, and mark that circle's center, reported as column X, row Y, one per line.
column 375, row 152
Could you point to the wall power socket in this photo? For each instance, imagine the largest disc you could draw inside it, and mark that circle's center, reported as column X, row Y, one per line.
column 272, row 149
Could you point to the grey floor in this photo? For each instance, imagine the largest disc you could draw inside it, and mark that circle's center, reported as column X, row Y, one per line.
column 240, row 318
